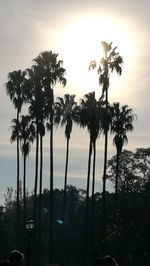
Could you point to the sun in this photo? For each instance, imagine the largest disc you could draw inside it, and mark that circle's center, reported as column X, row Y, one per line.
column 80, row 42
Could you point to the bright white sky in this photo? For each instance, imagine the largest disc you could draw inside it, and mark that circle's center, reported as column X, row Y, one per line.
column 74, row 29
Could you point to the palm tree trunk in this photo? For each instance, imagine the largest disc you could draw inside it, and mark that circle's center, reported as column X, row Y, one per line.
column 104, row 218
column 24, row 197
column 86, row 222
column 88, row 183
column 116, row 181
column 18, row 186
column 94, row 161
column 35, row 193
column 40, row 201
column 93, row 203
column 36, row 176
column 51, row 190
column 104, row 185
column 65, row 181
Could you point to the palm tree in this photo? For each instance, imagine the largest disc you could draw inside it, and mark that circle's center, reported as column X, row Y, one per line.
column 122, row 122
column 37, row 105
column 90, row 117
column 35, row 99
column 110, row 61
column 25, row 131
column 65, row 111
column 26, row 136
column 51, row 72
column 14, row 89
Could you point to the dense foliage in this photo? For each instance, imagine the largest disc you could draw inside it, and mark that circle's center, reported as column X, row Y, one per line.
column 127, row 233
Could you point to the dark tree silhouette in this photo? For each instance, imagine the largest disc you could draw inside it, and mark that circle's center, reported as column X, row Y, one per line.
column 37, row 107
column 65, row 112
column 26, row 136
column 90, row 117
column 51, row 72
column 14, row 89
column 122, row 122
column 110, row 61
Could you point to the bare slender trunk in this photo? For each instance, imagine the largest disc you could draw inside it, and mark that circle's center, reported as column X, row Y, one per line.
column 86, row 222
column 40, row 202
column 36, row 176
column 93, row 200
column 35, row 195
column 65, row 181
column 104, row 218
column 116, row 182
column 24, row 197
column 88, row 183
column 104, row 187
column 51, row 190
column 18, row 187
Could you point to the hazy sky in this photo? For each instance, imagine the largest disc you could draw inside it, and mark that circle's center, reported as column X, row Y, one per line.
column 74, row 29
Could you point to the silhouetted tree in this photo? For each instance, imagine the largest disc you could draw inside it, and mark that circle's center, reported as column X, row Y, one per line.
column 14, row 89
column 51, row 72
column 37, row 107
column 110, row 61
column 129, row 179
column 26, row 136
column 35, row 100
column 122, row 122
column 90, row 117
column 65, row 112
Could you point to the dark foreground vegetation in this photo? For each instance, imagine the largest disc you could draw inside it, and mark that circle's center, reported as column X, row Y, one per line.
column 72, row 226
column 128, row 233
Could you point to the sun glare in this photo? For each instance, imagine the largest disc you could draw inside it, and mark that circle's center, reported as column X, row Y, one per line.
column 80, row 42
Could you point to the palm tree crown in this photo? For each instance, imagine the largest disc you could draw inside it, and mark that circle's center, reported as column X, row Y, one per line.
column 15, row 88
column 109, row 62
column 90, row 115
column 50, row 68
column 27, row 134
column 122, row 122
column 65, row 112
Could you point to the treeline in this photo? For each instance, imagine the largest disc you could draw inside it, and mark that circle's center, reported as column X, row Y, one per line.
column 34, row 88
column 127, row 234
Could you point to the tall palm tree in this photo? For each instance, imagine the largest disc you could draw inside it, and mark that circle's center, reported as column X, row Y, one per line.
column 25, row 130
column 26, row 136
column 65, row 112
column 122, row 122
column 90, row 117
column 14, row 89
column 110, row 61
column 35, row 99
column 37, row 105
column 51, row 71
